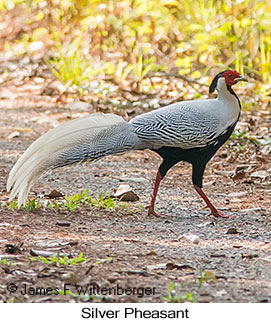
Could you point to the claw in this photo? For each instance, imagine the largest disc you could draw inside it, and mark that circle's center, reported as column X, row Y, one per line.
column 214, row 211
column 151, row 212
column 218, row 214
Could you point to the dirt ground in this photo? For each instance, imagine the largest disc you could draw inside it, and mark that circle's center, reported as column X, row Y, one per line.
column 133, row 257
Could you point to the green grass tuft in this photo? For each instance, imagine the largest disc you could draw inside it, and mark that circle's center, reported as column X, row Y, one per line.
column 61, row 260
column 174, row 294
column 5, row 262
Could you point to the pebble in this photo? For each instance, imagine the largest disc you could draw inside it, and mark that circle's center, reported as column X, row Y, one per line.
column 78, row 105
column 262, row 174
column 124, row 193
column 14, row 134
column 191, row 238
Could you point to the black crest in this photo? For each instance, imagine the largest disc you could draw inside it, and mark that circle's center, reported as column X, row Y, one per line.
column 214, row 82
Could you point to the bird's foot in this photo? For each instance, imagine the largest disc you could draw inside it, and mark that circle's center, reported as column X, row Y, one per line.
column 218, row 214
column 151, row 212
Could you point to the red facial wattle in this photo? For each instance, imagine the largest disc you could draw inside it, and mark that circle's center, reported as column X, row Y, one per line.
column 231, row 77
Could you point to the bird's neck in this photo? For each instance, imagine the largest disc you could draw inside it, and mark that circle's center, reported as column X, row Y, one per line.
column 229, row 88
column 226, row 93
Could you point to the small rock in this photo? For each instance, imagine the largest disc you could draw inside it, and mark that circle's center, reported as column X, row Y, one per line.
column 237, row 246
column 54, row 194
column 14, row 134
column 237, row 194
column 9, row 66
column 154, row 103
column 184, row 267
column 129, row 197
column 123, row 188
column 36, row 46
column 157, row 266
column 63, row 224
column 43, row 253
column 78, row 105
column 156, row 79
column 61, row 87
column 38, row 80
column 71, row 278
column 262, row 174
column 220, row 293
column 232, row 231
column 191, row 238
column 124, row 193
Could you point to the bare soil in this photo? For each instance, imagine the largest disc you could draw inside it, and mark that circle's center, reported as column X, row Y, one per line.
column 148, row 253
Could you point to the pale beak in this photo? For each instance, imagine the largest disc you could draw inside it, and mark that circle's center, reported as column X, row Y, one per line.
column 241, row 78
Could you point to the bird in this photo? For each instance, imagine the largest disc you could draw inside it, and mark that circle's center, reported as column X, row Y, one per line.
column 191, row 131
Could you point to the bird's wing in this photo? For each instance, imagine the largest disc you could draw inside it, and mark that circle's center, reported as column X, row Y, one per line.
column 185, row 126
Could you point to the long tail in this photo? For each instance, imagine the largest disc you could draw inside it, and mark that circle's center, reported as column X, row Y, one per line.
column 82, row 139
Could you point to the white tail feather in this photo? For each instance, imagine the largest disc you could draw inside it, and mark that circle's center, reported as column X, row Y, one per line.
column 42, row 154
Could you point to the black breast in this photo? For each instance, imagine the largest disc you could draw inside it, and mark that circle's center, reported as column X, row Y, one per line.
column 195, row 156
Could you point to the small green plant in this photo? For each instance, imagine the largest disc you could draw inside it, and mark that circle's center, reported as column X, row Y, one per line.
column 61, row 260
column 5, row 262
column 238, row 134
column 72, row 202
column 142, row 67
column 105, row 202
column 102, row 202
column 12, row 205
column 242, row 139
column 30, row 206
column 122, row 70
column 54, row 205
column 206, row 277
column 174, row 295
column 70, row 66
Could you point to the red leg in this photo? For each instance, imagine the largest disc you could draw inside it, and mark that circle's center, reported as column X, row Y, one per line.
column 154, row 193
column 214, row 211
